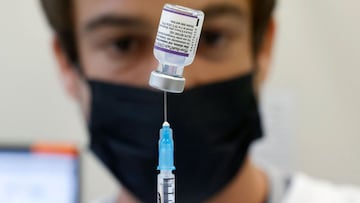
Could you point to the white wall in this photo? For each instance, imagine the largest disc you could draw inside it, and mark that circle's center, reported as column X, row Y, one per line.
column 316, row 64
column 317, row 60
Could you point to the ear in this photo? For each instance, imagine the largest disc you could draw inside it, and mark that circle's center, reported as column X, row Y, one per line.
column 72, row 80
column 69, row 75
column 264, row 55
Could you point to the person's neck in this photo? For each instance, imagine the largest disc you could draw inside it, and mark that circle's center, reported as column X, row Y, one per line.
column 250, row 185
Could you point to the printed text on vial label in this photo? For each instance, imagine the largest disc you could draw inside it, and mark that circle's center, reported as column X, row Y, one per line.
column 177, row 34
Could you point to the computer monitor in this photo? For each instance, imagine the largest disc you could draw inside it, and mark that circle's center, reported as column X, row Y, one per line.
column 39, row 174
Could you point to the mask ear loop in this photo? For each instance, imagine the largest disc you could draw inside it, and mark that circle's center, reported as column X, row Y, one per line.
column 72, row 57
column 254, row 72
column 255, row 84
column 79, row 69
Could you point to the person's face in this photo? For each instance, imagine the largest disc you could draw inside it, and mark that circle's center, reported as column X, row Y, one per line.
column 115, row 41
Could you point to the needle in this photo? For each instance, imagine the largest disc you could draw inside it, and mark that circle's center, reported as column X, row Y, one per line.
column 165, row 106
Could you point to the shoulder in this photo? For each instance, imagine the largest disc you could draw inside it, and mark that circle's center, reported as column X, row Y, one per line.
column 306, row 189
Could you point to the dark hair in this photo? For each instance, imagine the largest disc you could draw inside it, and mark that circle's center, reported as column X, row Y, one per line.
column 262, row 11
column 60, row 16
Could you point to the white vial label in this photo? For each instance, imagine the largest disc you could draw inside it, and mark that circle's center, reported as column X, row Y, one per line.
column 178, row 32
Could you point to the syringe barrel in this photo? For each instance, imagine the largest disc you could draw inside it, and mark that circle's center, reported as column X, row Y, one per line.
column 166, row 187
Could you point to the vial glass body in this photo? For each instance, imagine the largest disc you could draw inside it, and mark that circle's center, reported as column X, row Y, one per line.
column 176, row 41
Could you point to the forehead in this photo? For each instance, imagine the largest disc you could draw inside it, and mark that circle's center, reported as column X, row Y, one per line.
column 149, row 10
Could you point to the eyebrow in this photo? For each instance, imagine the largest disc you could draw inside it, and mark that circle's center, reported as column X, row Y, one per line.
column 115, row 21
column 217, row 10
column 107, row 20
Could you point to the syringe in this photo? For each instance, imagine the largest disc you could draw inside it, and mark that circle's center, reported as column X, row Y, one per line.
column 166, row 179
column 168, row 77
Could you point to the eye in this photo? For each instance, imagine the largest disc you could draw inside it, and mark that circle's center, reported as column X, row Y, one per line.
column 125, row 45
column 214, row 44
column 213, row 38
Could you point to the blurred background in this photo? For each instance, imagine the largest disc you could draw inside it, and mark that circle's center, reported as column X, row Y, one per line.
column 310, row 102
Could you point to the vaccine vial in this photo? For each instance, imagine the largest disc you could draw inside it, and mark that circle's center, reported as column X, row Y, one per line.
column 175, row 46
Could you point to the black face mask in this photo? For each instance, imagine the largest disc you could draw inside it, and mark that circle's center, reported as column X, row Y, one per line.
column 213, row 126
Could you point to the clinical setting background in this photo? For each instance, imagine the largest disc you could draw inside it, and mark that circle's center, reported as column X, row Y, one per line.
column 310, row 102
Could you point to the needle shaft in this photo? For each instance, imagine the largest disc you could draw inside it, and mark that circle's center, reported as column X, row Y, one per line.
column 165, row 106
